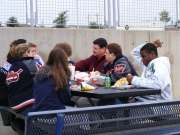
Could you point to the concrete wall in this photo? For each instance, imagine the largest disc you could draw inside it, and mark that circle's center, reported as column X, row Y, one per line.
column 81, row 42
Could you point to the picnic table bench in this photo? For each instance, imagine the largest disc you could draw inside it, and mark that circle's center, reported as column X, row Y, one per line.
column 161, row 117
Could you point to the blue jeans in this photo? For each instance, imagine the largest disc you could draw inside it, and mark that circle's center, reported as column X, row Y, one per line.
column 103, row 102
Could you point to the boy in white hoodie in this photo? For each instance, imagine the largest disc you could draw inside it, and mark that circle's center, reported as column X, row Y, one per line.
column 156, row 72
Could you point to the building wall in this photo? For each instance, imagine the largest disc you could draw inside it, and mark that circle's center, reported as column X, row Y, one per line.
column 81, row 42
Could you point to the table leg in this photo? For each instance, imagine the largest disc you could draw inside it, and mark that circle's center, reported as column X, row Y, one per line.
column 112, row 101
column 127, row 111
column 90, row 100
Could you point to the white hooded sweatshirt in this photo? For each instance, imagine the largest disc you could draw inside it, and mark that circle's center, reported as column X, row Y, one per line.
column 156, row 75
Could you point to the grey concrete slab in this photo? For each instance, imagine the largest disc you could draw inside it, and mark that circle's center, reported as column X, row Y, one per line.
column 6, row 130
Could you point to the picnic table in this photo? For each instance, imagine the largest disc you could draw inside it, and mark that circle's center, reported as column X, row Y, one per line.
column 102, row 93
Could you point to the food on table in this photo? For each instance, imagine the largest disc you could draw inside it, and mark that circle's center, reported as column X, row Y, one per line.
column 84, row 79
column 121, row 82
column 81, row 75
column 85, row 86
column 97, row 73
column 69, row 64
column 74, row 86
column 100, row 80
column 80, row 80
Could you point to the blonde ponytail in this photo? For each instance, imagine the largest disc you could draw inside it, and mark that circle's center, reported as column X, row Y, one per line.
column 19, row 50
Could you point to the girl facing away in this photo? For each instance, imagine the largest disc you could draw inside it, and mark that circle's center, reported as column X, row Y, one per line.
column 20, row 79
column 51, row 87
column 67, row 49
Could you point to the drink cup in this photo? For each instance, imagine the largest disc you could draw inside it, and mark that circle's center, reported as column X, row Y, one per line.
column 94, row 82
column 72, row 69
column 92, row 74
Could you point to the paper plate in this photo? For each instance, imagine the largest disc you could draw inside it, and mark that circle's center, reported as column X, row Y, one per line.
column 123, row 87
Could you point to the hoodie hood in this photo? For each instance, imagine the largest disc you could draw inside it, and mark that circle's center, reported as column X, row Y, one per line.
column 42, row 74
column 163, row 60
column 43, row 77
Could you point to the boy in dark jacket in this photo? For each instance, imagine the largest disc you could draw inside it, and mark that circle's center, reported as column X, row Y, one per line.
column 117, row 67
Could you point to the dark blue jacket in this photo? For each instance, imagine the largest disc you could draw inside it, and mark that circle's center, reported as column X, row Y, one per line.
column 120, row 67
column 46, row 98
column 3, row 86
column 20, row 80
column 3, row 90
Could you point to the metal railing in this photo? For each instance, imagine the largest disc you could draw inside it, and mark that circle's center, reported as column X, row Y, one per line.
column 149, row 13
column 16, row 9
column 90, row 13
column 79, row 12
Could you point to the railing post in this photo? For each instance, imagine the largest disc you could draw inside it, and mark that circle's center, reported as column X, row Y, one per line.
column 26, row 12
column 59, row 124
column 118, row 12
column 31, row 13
column 114, row 14
column 109, row 14
column 36, row 15
column 77, row 14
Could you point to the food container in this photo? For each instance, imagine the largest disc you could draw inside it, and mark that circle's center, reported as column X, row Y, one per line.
column 94, row 82
column 80, row 80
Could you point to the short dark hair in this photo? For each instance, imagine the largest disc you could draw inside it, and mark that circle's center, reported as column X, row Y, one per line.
column 148, row 47
column 101, row 42
column 17, row 42
column 114, row 48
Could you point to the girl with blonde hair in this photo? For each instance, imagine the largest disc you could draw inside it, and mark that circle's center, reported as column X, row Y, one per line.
column 19, row 79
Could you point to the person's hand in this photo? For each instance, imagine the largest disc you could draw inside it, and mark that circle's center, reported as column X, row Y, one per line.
column 157, row 43
column 129, row 78
column 97, row 73
column 36, row 56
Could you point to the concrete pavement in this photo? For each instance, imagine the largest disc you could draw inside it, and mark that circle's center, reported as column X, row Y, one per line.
column 6, row 130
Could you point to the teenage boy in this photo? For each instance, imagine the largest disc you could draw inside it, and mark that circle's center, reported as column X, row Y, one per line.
column 32, row 53
column 156, row 72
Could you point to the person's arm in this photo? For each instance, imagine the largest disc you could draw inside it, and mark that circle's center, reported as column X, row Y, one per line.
column 65, row 95
column 83, row 65
column 154, row 80
column 135, row 53
column 121, row 69
column 31, row 65
column 40, row 59
column 104, row 70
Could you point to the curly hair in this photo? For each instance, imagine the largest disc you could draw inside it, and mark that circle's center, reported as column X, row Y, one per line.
column 66, row 47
